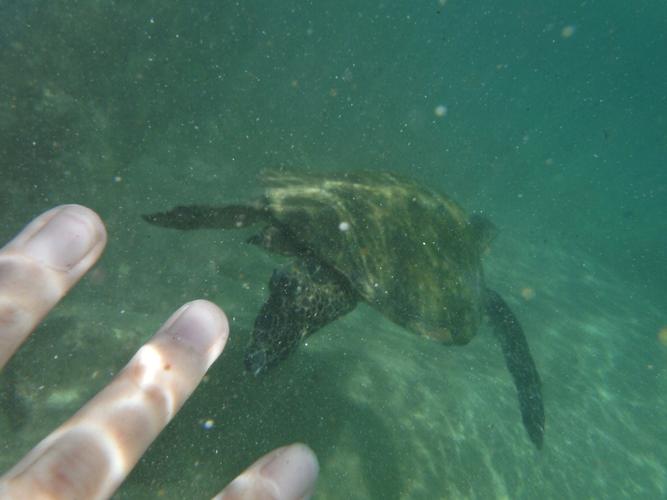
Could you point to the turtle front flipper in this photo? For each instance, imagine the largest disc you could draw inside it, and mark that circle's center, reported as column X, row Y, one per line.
column 303, row 297
column 207, row 217
column 520, row 364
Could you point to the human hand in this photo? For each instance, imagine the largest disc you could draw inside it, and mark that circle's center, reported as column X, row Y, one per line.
column 92, row 453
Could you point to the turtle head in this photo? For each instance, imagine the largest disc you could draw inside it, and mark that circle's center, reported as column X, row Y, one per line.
column 484, row 231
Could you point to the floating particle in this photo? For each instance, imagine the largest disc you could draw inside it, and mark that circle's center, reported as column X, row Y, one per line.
column 208, row 424
column 440, row 110
column 567, row 31
column 344, row 226
column 662, row 335
column 528, row 293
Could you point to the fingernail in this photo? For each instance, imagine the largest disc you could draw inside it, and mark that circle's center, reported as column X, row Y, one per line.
column 202, row 326
column 65, row 239
column 293, row 471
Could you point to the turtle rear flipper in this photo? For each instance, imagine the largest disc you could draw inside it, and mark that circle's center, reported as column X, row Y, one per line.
column 520, row 364
column 207, row 217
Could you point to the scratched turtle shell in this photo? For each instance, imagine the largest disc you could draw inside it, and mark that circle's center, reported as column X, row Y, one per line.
column 410, row 252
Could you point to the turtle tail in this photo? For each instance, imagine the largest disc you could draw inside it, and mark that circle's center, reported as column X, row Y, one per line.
column 207, row 217
column 520, row 364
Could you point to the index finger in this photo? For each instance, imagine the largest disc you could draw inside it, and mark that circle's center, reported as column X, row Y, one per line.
column 90, row 454
column 40, row 265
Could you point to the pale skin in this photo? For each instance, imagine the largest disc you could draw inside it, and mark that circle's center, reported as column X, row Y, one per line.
column 91, row 454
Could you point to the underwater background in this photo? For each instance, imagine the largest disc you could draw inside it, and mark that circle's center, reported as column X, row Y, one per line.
column 550, row 117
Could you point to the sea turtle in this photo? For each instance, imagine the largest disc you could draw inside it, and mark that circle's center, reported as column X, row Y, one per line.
column 409, row 252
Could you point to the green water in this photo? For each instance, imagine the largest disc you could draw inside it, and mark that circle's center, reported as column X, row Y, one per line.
column 548, row 116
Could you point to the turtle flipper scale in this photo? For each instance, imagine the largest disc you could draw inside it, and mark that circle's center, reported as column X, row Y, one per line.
column 520, row 364
column 207, row 217
column 303, row 297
